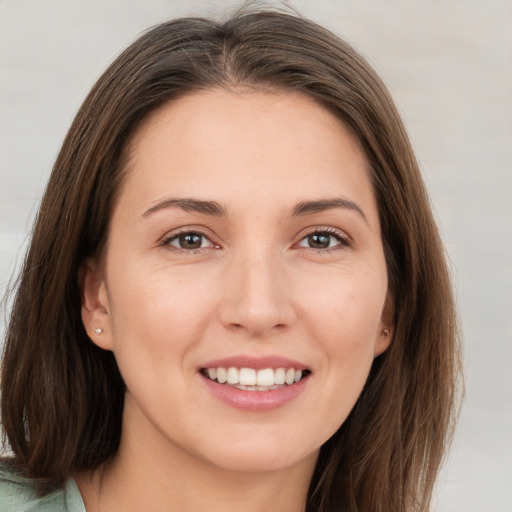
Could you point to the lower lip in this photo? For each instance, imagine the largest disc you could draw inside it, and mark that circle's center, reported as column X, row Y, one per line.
column 255, row 401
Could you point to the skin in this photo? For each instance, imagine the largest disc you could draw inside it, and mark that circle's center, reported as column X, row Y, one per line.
column 257, row 286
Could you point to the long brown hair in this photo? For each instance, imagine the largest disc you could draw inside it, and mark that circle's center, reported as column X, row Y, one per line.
column 62, row 398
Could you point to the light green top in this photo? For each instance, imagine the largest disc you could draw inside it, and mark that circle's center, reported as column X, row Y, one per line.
column 19, row 494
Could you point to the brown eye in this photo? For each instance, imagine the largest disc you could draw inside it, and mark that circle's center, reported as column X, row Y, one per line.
column 319, row 241
column 323, row 240
column 189, row 241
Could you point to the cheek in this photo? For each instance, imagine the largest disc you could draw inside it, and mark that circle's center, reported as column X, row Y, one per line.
column 345, row 305
column 343, row 317
column 158, row 315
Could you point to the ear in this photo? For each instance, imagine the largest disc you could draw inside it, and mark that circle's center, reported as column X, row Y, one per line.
column 386, row 325
column 95, row 305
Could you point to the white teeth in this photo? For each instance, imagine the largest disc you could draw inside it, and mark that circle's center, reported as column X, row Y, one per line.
column 246, row 388
column 265, row 377
column 250, row 379
column 290, row 376
column 233, row 376
column 247, row 376
column 280, row 376
column 222, row 375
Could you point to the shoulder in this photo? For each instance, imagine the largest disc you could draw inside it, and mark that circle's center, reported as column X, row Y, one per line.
column 19, row 494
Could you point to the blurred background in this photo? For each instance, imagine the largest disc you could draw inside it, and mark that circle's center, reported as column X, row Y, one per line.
column 448, row 64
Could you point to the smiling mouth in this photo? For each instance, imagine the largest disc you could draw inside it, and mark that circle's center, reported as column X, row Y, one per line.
column 249, row 379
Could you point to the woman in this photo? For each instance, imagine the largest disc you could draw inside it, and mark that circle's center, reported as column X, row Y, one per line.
column 235, row 295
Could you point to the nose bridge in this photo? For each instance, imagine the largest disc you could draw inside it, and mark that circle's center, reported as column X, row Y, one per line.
column 257, row 298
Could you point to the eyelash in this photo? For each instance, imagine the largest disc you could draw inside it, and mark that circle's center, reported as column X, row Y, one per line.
column 326, row 231
column 341, row 237
column 166, row 242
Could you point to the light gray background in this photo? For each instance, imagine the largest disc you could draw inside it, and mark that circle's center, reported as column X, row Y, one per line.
column 449, row 67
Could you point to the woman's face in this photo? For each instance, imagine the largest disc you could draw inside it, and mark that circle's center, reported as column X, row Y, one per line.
column 245, row 245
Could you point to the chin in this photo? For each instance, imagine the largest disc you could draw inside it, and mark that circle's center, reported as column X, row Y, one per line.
column 265, row 457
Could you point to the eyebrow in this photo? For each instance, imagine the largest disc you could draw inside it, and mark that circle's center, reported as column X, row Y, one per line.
column 320, row 205
column 188, row 205
column 217, row 210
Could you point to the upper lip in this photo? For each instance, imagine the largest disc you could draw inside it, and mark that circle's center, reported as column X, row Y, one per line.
column 257, row 363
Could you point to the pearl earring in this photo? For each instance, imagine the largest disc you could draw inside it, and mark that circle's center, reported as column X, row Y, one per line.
column 98, row 330
column 385, row 332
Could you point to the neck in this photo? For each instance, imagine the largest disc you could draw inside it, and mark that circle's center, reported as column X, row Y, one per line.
column 151, row 473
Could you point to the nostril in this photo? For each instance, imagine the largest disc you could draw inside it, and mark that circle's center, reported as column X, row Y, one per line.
column 238, row 326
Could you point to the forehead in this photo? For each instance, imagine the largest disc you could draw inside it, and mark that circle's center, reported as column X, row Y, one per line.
column 209, row 117
column 249, row 144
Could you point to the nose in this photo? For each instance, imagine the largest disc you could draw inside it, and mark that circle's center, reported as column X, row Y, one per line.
column 256, row 300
